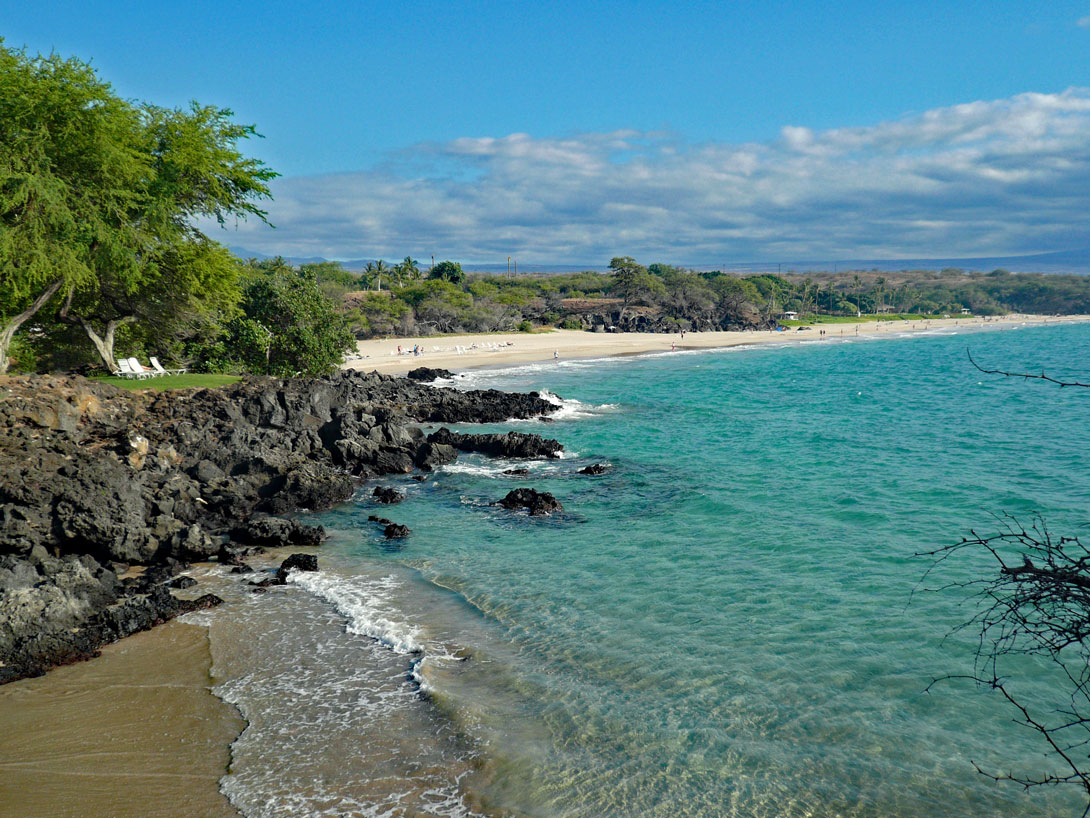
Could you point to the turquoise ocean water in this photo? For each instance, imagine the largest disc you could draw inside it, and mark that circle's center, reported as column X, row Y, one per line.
column 723, row 624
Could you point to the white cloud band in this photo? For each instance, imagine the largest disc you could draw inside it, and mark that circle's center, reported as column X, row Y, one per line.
column 984, row 178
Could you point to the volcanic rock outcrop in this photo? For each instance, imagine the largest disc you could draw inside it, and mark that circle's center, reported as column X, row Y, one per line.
column 95, row 479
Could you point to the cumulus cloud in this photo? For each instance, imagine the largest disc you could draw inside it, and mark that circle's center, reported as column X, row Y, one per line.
column 984, row 178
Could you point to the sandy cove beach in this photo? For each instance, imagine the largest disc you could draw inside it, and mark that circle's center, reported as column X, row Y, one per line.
column 460, row 352
column 136, row 732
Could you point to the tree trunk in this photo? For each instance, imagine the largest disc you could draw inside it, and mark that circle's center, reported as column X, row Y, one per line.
column 104, row 344
column 10, row 328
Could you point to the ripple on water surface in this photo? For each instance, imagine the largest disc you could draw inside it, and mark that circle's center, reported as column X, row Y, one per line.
column 719, row 625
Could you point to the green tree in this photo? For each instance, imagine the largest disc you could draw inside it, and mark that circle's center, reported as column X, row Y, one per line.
column 628, row 279
column 408, row 270
column 99, row 198
column 448, row 271
column 307, row 335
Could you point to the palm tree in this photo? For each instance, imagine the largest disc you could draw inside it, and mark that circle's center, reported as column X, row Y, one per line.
column 380, row 268
column 409, row 268
column 369, row 273
column 857, row 285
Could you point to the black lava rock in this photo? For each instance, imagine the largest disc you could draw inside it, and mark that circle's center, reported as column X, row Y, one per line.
column 386, row 495
column 275, row 531
column 538, row 502
column 424, row 374
column 595, row 469
column 296, row 562
column 511, row 444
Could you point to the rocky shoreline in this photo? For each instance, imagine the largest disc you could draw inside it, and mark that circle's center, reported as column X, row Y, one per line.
column 106, row 495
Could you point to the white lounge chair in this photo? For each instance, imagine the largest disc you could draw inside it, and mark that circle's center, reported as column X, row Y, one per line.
column 138, row 369
column 123, row 369
column 158, row 367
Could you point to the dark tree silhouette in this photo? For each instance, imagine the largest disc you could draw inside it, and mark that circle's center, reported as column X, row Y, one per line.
column 1036, row 604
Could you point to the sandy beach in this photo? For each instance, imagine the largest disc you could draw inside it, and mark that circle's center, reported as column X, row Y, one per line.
column 460, row 352
column 133, row 733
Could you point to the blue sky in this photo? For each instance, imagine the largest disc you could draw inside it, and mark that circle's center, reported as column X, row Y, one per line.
column 569, row 132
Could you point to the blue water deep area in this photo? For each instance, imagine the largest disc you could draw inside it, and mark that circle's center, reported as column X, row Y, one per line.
column 725, row 622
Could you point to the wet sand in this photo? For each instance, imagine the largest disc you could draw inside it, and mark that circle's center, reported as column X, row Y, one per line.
column 136, row 733
column 461, row 352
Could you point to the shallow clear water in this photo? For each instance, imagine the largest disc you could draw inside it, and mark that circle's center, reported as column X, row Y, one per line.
column 723, row 624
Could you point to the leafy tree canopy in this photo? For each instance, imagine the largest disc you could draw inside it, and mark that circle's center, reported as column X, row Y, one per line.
column 288, row 321
column 100, row 199
column 448, row 271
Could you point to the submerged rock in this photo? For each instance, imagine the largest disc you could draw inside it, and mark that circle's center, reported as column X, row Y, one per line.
column 595, row 469
column 394, row 531
column 539, row 503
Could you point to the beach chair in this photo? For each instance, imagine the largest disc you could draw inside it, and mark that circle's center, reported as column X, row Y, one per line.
column 123, row 369
column 158, row 367
column 139, row 370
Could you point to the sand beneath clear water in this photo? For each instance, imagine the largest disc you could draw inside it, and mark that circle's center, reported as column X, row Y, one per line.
column 461, row 352
column 134, row 733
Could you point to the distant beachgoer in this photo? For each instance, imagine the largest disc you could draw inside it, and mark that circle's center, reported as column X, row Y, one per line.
column 673, row 347
column 556, row 354
column 399, row 349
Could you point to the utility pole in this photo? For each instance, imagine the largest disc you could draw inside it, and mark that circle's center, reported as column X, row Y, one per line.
column 508, row 266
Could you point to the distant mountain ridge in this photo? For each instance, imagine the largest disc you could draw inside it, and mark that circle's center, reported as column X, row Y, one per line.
column 1065, row 261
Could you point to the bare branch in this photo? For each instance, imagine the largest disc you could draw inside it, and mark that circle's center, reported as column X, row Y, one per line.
column 1036, row 604
column 1026, row 375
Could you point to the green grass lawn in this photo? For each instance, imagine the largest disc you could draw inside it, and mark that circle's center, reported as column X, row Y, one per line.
column 164, row 382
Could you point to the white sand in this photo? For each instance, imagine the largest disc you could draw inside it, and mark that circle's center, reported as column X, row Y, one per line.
column 501, row 349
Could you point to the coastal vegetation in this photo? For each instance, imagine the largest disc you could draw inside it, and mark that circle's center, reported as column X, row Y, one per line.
column 666, row 298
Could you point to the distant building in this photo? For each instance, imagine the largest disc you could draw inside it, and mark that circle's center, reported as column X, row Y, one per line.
column 966, row 311
column 790, row 315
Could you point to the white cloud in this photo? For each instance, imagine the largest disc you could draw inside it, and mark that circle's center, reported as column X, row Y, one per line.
column 1083, row 22
column 983, row 178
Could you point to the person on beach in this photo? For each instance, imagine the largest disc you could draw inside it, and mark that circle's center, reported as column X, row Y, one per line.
column 556, row 354
column 399, row 349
